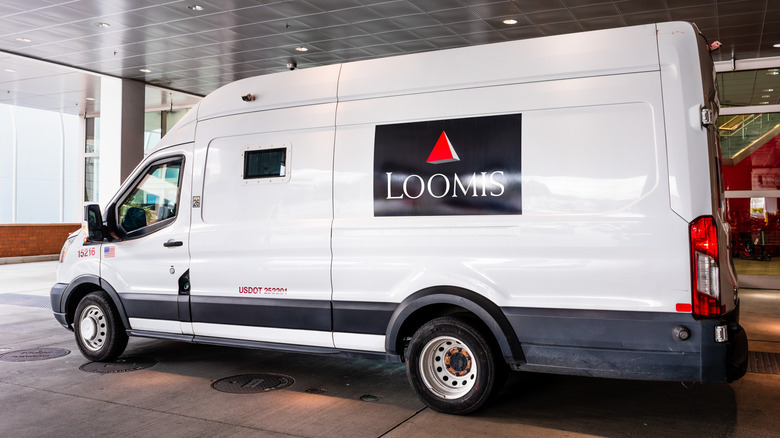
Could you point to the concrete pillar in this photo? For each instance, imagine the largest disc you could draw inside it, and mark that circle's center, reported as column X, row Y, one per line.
column 121, row 133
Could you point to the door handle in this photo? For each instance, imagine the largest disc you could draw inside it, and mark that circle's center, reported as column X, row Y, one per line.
column 172, row 242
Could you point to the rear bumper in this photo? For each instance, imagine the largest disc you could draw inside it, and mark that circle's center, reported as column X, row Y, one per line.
column 628, row 345
column 736, row 354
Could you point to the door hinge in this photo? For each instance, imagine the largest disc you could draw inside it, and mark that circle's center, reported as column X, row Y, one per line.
column 707, row 117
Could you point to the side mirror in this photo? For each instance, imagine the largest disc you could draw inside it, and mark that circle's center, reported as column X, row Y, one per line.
column 94, row 221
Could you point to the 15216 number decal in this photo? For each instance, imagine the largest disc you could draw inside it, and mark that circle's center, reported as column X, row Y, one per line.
column 87, row 252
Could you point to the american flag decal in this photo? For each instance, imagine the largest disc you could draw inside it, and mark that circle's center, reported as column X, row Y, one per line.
column 109, row 251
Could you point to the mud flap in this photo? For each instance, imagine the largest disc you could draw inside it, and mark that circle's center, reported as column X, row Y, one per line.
column 737, row 360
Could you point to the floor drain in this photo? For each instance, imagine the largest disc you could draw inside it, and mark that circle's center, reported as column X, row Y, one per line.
column 33, row 354
column 252, row 383
column 316, row 391
column 763, row 363
column 121, row 365
column 369, row 398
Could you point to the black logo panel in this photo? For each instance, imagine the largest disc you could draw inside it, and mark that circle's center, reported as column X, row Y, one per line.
column 465, row 166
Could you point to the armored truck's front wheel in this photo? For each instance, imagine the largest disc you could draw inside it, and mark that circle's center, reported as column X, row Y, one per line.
column 100, row 334
column 452, row 366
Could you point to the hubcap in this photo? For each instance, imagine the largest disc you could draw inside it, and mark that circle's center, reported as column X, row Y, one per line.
column 88, row 329
column 92, row 328
column 447, row 367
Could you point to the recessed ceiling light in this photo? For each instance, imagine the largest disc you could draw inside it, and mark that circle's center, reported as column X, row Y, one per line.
column 510, row 21
column 777, row 45
column 24, row 40
column 9, row 70
column 768, row 90
column 764, row 103
column 773, row 71
column 196, row 7
column 103, row 25
column 302, row 49
column 90, row 98
column 145, row 70
column 765, row 96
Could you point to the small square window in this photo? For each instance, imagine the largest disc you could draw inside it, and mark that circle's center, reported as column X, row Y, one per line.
column 266, row 163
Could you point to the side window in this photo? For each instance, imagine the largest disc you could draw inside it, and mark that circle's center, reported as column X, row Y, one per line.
column 153, row 201
column 265, row 163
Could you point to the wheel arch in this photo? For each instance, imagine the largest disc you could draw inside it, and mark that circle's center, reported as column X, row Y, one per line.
column 434, row 302
column 83, row 285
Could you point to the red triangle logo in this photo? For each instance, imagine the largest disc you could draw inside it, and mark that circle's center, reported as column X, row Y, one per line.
column 443, row 152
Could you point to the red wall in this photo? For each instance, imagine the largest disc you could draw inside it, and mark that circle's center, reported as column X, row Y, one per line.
column 759, row 171
column 19, row 240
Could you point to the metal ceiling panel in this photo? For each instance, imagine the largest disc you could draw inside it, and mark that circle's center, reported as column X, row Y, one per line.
column 601, row 23
column 551, row 16
column 602, row 10
column 530, row 6
column 233, row 39
column 500, row 10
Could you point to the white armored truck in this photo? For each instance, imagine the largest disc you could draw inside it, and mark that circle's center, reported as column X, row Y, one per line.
column 549, row 205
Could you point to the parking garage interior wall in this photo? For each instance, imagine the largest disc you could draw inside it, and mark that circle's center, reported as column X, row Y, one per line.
column 39, row 169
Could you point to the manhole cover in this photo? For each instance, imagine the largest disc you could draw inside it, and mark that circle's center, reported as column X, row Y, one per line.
column 763, row 363
column 121, row 365
column 252, row 383
column 33, row 354
column 369, row 398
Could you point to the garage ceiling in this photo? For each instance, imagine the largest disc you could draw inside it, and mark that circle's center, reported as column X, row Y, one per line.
column 198, row 45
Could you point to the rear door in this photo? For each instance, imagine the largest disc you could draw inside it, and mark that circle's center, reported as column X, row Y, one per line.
column 728, row 278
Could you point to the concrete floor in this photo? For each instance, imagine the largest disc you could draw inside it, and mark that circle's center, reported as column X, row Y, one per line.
column 174, row 398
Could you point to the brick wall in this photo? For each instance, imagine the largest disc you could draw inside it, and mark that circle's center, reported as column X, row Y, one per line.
column 17, row 240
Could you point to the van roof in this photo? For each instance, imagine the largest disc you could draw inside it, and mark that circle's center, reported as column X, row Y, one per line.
column 595, row 53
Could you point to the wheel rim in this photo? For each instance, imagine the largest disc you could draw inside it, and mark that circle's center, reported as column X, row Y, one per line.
column 92, row 328
column 448, row 367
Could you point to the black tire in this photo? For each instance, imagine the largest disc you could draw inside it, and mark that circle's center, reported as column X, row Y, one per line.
column 100, row 334
column 452, row 366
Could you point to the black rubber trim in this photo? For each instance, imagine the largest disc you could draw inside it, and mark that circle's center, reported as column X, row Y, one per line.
column 97, row 283
column 55, row 296
column 152, row 306
column 63, row 320
column 362, row 317
column 349, row 317
column 262, row 312
column 603, row 329
column 183, row 305
column 161, row 335
column 117, row 302
column 628, row 345
column 295, row 348
column 484, row 309
column 266, row 345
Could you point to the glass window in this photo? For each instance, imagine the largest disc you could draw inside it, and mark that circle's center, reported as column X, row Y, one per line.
column 91, row 159
column 91, row 169
column 266, row 163
column 157, row 124
column 154, row 199
column 153, row 130
column 749, row 87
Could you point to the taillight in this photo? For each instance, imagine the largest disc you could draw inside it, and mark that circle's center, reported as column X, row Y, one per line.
column 704, row 267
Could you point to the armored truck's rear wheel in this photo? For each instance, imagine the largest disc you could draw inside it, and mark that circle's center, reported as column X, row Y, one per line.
column 100, row 334
column 451, row 366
